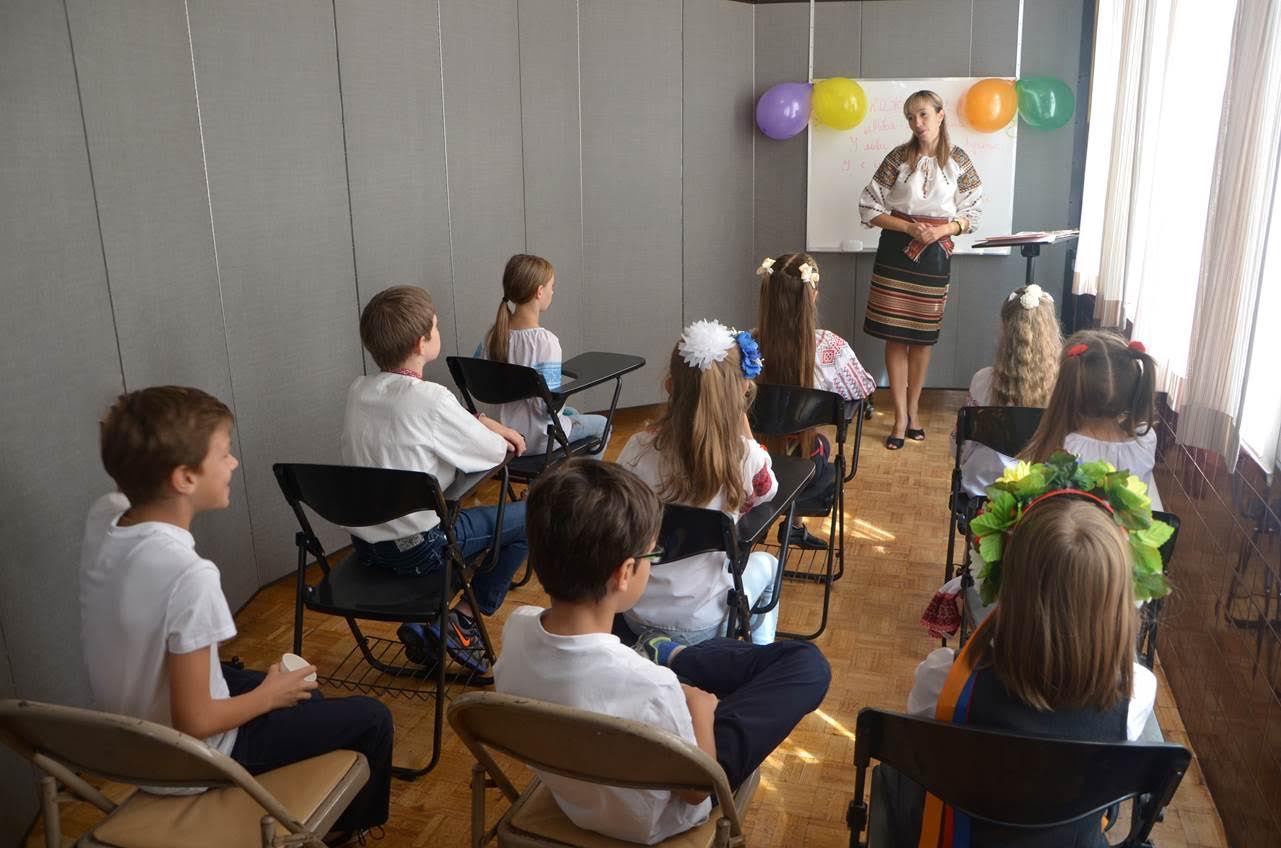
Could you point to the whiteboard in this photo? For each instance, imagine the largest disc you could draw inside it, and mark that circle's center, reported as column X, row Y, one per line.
column 841, row 163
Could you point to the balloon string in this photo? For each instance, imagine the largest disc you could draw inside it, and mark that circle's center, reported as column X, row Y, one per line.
column 811, row 69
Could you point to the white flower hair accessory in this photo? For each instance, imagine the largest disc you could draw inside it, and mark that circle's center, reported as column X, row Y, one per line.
column 809, row 274
column 705, row 342
column 766, row 268
column 1031, row 297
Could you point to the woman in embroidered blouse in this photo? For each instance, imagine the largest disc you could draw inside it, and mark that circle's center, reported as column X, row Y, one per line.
column 924, row 192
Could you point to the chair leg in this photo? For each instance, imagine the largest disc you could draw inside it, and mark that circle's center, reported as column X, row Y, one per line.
column 478, row 784
column 298, row 594
column 49, row 808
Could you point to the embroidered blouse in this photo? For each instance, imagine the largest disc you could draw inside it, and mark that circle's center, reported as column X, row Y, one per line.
column 951, row 191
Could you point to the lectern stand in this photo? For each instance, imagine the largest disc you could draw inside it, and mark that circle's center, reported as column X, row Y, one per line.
column 1029, row 245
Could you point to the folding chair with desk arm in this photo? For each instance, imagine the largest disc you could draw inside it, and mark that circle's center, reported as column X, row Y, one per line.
column 358, row 497
column 688, row 531
column 1023, row 783
column 290, row 806
column 780, row 411
column 605, row 750
column 497, row 383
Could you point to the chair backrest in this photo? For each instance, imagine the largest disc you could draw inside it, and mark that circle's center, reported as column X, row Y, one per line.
column 784, row 410
column 495, row 382
column 123, row 749
column 1004, row 429
column 351, row 496
column 586, row 746
column 1019, row 781
column 688, row 531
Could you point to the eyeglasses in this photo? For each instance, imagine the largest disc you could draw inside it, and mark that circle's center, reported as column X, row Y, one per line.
column 655, row 556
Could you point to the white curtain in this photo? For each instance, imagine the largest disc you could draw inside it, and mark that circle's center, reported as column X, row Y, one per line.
column 1243, row 185
column 1173, row 185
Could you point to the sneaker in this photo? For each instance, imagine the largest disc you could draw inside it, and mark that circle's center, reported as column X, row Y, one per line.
column 420, row 641
column 463, row 642
column 657, row 647
column 799, row 537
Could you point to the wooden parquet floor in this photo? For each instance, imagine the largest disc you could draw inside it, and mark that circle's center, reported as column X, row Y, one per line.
column 896, row 522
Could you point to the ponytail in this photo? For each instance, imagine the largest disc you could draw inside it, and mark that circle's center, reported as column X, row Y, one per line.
column 1142, row 406
column 522, row 278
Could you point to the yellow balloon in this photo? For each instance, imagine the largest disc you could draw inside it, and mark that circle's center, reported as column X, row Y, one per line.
column 839, row 102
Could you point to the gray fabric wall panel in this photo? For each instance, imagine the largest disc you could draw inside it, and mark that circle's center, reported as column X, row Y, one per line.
column 552, row 154
column 996, row 38
column 718, row 139
column 631, row 95
column 483, row 132
column 389, row 59
column 59, row 364
column 267, row 77
column 134, row 60
column 778, row 219
column 916, row 38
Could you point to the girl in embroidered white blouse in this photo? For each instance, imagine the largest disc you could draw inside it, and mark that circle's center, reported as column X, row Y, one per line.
column 925, row 191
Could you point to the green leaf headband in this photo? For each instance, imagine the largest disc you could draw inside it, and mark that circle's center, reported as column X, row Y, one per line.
column 1124, row 495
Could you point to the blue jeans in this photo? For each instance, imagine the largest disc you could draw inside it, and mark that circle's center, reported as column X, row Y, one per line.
column 586, row 426
column 474, row 530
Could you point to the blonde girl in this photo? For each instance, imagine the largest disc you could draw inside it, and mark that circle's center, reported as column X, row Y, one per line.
column 797, row 352
column 701, row 453
column 1103, row 406
column 1026, row 366
column 925, row 192
column 529, row 282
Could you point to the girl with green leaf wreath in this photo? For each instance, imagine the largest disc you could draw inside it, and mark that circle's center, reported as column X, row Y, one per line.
column 1066, row 550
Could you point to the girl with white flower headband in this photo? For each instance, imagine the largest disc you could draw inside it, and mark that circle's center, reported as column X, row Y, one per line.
column 798, row 353
column 529, row 282
column 701, row 453
column 1026, row 366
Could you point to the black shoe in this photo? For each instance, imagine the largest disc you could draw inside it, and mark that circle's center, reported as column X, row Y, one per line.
column 916, row 434
column 893, row 443
column 421, row 645
column 464, row 643
column 799, row 537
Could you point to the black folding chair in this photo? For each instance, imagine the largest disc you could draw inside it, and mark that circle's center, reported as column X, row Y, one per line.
column 1150, row 614
column 497, row 383
column 361, row 497
column 689, row 531
column 788, row 410
column 1027, row 784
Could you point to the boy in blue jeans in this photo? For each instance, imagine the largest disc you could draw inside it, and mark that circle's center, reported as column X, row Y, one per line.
column 592, row 530
column 397, row 419
column 152, row 610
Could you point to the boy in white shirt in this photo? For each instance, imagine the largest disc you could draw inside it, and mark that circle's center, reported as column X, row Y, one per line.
column 592, row 529
column 397, row 419
column 152, row 610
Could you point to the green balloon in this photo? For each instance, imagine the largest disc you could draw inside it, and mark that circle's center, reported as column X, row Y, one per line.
column 1045, row 103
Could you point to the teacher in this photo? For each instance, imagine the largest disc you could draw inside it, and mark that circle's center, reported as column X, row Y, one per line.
column 924, row 192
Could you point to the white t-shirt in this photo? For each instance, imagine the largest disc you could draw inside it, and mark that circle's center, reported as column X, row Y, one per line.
column 1137, row 455
column 397, row 421
column 537, row 348
column 689, row 594
column 932, row 674
column 837, row 369
column 145, row 592
column 597, row 673
column 980, row 465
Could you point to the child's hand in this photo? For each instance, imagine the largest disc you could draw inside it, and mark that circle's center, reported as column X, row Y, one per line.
column 920, row 232
column 286, row 688
column 702, row 704
column 516, row 440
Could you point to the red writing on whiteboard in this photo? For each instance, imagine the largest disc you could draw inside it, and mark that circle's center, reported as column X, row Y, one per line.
column 845, row 165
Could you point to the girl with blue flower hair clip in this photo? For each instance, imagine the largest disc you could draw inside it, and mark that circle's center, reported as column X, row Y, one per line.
column 701, row 453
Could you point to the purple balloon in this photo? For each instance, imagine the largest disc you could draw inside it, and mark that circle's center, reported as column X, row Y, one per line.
column 784, row 110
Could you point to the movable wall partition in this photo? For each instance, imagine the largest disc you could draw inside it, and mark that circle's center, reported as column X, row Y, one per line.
column 206, row 193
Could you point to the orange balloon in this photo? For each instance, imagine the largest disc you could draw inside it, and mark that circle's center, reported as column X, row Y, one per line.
column 990, row 104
